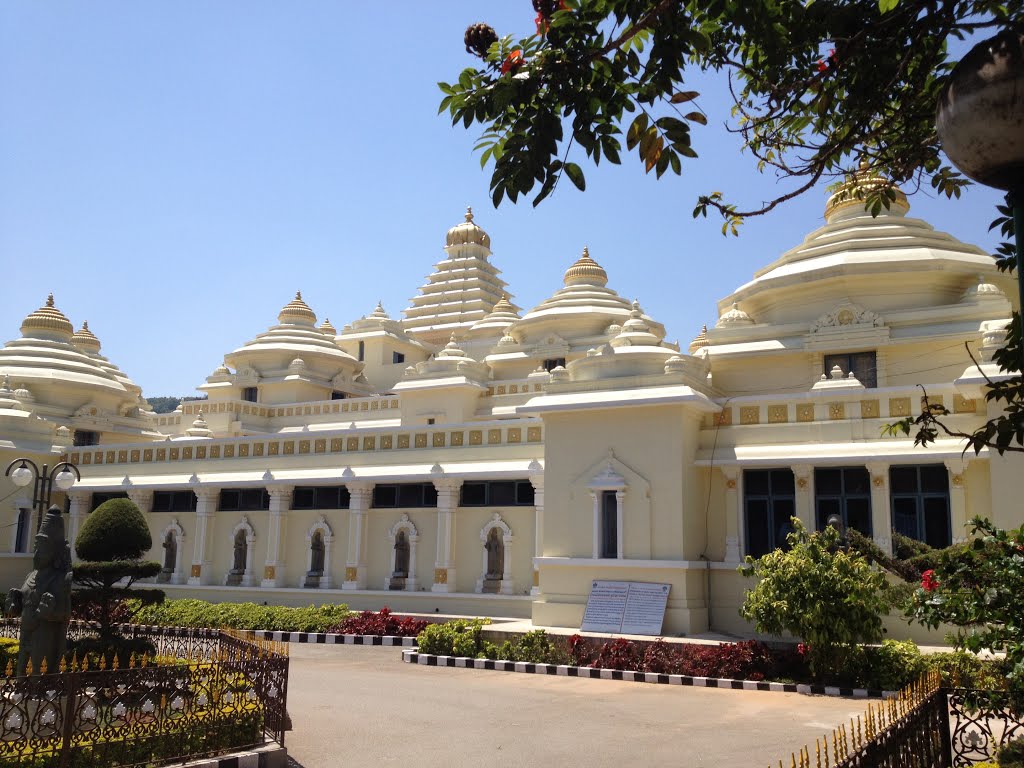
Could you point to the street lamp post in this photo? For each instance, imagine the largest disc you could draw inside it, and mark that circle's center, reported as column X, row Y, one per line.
column 24, row 471
column 980, row 122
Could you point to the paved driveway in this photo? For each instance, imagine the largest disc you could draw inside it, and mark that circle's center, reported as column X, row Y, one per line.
column 361, row 706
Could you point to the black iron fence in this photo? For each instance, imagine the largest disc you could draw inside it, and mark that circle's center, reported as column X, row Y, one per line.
column 197, row 694
column 927, row 725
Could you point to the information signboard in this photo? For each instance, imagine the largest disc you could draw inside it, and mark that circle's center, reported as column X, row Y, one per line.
column 626, row 607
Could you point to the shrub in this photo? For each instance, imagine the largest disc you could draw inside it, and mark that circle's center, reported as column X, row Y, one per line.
column 456, row 638
column 960, row 669
column 383, row 623
column 116, row 530
column 618, row 653
column 1011, row 754
column 536, row 647
column 200, row 614
column 8, row 652
column 892, row 665
column 832, row 599
column 580, row 651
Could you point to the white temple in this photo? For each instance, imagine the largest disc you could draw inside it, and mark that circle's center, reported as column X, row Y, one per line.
column 473, row 457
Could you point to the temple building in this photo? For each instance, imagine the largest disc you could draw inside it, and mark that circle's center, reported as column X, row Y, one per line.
column 472, row 456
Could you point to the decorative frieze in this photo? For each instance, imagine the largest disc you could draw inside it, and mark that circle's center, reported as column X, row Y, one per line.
column 778, row 414
column 869, row 409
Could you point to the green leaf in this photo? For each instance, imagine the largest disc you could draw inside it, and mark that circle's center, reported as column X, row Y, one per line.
column 575, row 174
column 887, row 5
column 636, row 131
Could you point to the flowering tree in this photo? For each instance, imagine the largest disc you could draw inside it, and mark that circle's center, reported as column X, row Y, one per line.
column 980, row 589
column 832, row 599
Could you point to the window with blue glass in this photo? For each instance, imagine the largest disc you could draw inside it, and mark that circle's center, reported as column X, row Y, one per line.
column 769, row 504
column 920, row 503
column 846, row 492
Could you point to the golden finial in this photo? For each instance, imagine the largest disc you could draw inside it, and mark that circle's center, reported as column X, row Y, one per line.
column 115, row 663
column 49, row 300
column 131, row 661
column 42, row 666
column 469, row 213
column 792, row 760
column 85, row 662
column 63, row 666
column 10, row 668
column 298, row 295
column 103, row 661
column 28, row 667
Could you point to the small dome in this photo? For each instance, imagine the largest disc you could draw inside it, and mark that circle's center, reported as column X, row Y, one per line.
column 467, row 232
column 451, row 349
column 379, row 313
column 48, row 318
column 734, row 316
column 700, row 340
column 508, row 340
column 7, row 398
column 586, row 270
column 85, row 339
column 862, row 182
column 199, row 428
column 297, row 364
column 297, row 312
column 982, row 290
column 327, row 328
column 24, row 395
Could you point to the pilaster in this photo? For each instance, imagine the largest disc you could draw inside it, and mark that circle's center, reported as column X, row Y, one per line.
column 444, row 564
column 537, row 481
column 277, row 531
column 202, row 567
column 79, row 510
column 803, row 475
column 957, row 499
column 881, row 505
column 360, row 495
column 733, row 514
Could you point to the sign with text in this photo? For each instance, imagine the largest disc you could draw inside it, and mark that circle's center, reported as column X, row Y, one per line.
column 626, row 607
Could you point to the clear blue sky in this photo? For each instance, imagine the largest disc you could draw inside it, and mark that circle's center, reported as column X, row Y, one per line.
column 175, row 171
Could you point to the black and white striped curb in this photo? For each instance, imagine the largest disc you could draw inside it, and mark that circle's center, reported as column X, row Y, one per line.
column 327, row 638
column 271, row 756
column 414, row 657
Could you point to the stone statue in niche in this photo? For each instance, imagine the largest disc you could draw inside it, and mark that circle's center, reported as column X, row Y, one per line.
column 170, row 546
column 238, row 564
column 401, row 571
column 44, row 601
column 495, row 548
column 316, row 560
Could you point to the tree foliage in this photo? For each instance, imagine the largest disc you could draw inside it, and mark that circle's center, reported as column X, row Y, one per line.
column 816, row 87
column 980, row 589
column 111, row 543
column 832, row 599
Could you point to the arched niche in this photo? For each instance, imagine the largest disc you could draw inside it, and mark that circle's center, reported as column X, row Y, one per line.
column 172, row 543
column 319, row 541
column 243, row 540
column 496, row 570
column 402, row 535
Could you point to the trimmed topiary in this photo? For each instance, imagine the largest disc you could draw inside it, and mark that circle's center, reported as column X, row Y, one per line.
column 116, row 530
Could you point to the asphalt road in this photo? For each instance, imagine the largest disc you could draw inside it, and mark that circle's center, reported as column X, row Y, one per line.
column 361, row 706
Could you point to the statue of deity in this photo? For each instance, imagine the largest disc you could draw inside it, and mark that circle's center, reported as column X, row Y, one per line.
column 44, row 601
column 495, row 554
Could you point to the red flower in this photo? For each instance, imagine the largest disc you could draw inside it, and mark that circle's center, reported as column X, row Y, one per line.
column 928, row 581
column 513, row 61
column 802, row 648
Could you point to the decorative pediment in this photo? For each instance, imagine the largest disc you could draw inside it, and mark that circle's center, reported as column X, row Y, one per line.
column 846, row 315
column 550, row 345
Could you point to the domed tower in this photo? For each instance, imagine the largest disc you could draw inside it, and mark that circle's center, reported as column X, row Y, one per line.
column 294, row 361
column 462, row 290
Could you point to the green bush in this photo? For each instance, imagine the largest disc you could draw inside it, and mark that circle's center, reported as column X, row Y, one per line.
column 1011, row 754
column 201, row 614
column 461, row 637
column 892, row 665
column 8, row 652
column 116, row 530
column 536, row 647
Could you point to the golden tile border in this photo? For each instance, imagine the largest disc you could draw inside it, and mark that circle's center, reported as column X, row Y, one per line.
column 336, row 444
column 197, row 571
column 869, row 409
column 533, row 434
column 805, row 412
column 369, row 443
column 386, row 442
column 122, row 457
column 437, row 439
column 440, row 575
column 420, row 441
column 229, row 451
column 289, row 447
column 86, row 458
column 963, row 405
column 352, row 444
column 778, row 414
column 515, row 435
column 476, row 437
column 320, row 446
column 724, row 419
column 269, row 572
column 273, row 449
column 457, row 438
column 243, row 450
column 201, row 452
column 351, row 574
column 493, row 436
column 303, row 446
column 161, row 454
column 750, row 414
column 134, row 456
column 899, row 406
column 147, row 455
column 175, row 452
column 403, row 441
column 837, row 411
column 257, row 449
column 214, row 451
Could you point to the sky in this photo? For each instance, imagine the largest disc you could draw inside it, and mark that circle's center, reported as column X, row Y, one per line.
column 174, row 171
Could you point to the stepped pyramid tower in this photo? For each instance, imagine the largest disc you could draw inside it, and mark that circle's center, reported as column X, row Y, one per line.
column 462, row 290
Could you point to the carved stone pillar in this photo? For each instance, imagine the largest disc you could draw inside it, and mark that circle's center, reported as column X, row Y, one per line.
column 733, row 514
column 538, row 534
column 360, row 495
column 444, row 563
column 277, row 530
column 202, row 567
column 881, row 506
column 803, row 475
column 957, row 499
column 79, row 509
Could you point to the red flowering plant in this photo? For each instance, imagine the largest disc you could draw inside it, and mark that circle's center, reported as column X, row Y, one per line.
column 979, row 588
column 383, row 623
column 513, row 61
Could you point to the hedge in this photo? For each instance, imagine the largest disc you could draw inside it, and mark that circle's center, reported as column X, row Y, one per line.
column 201, row 614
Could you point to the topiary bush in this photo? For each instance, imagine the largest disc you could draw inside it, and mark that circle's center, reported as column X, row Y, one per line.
column 201, row 614
column 116, row 530
column 110, row 544
column 457, row 638
column 536, row 647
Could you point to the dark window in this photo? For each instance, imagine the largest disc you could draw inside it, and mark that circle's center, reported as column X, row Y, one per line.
column 769, row 504
column 862, row 364
column 920, row 503
column 174, row 501
column 320, row 497
column 336, row 395
column 609, row 525
column 250, row 394
column 843, row 491
column 554, row 362
column 498, row 493
column 362, row 351
column 24, row 526
column 244, row 499
column 397, row 357
column 99, row 498
column 431, row 421
column 405, row 495
column 86, row 437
